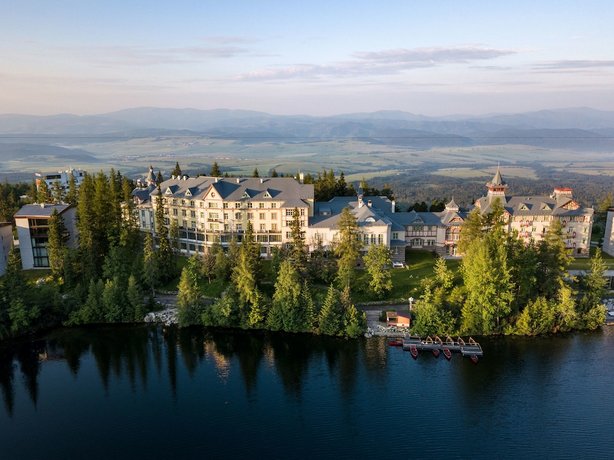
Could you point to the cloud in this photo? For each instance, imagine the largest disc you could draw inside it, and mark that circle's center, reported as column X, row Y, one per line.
column 384, row 62
column 433, row 55
column 579, row 64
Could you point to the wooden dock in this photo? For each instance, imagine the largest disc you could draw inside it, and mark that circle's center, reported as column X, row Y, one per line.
column 469, row 348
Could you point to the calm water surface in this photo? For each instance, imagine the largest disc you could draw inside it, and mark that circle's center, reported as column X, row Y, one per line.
column 136, row 392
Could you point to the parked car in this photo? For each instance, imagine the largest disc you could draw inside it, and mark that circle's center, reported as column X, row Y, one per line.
column 398, row 264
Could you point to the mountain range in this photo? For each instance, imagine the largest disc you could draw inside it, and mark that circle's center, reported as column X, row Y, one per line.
column 582, row 129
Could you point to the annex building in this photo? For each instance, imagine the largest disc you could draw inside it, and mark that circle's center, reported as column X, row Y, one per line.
column 32, row 222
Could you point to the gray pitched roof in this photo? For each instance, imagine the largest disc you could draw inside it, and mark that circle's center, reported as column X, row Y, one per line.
column 237, row 189
column 535, row 206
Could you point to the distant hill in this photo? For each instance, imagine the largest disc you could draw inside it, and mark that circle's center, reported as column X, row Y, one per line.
column 574, row 128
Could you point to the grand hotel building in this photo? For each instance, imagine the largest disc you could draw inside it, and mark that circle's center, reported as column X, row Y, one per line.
column 211, row 209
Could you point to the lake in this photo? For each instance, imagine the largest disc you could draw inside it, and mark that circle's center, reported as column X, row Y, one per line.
column 142, row 392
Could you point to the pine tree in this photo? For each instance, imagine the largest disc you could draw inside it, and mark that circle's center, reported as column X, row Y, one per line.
column 378, row 263
column 71, row 195
column 177, row 170
column 255, row 173
column 159, row 178
column 44, row 194
column 57, row 193
column 348, row 248
column 134, row 296
column 591, row 308
column 354, row 322
column 56, row 246
column 330, row 317
column 287, row 298
column 308, row 306
column 215, row 170
column 150, row 264
column 113, row 300
column 165, row 258
column 298, row 250
column 274, row 173
column 472, row 229
column 189, row 296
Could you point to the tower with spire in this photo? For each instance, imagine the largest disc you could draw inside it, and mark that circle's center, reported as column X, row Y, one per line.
column 497, row 186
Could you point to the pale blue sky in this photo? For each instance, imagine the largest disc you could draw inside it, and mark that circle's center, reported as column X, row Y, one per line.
column 310, row 57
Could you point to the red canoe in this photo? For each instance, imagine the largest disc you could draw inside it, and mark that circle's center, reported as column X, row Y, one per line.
column 414, row 351
column 447, row 353
column 436, row 352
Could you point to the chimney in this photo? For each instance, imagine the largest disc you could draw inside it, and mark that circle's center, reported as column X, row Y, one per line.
column 238, row 180
column 394, row 205
column 562, row 192
column 360, row 202
column 173, row 177
column 261, row 180
column 216, row 179
column 369, row 203
column 301, row 177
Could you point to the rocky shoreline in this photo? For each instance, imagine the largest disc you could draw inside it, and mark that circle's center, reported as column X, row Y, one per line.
column 167, row 317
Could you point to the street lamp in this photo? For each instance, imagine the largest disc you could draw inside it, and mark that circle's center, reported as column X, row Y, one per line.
column 411, row 302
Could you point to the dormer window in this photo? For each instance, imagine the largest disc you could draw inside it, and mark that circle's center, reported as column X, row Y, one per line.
column 212, row 194
column 246, row 195
column 188, row 193
column 168, row 191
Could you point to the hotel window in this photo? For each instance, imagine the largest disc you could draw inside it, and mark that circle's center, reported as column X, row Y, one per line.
column 214, row 215
column 182, row 202
column 201, row 204
column 273, row 215
column 238, row 215
column 274, row 227
column 183, row 213
column 273, row 205
column 212, row 204
column 249, row 205
column 225, row 205
column 262, row 216
column 237, row 205
column 395, row 236
column 380, row 239
column 250, row 215
column 175, row 211
column 192, row 203
column 225, row 216
column 261, row 205
column 289, row 212
column 193, row 224
column 302, row 211
column 174, row 201
column 263, row 227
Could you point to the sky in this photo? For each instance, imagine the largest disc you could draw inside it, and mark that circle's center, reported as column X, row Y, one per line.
column 431, row 57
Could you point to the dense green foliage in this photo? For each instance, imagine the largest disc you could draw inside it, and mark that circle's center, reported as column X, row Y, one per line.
column 509, row 287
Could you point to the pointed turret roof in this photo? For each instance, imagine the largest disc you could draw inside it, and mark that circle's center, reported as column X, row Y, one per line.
column 498, row 179
column 452, row 206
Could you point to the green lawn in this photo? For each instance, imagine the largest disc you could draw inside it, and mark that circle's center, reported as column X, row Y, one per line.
column 405, row 281
column 585, row 263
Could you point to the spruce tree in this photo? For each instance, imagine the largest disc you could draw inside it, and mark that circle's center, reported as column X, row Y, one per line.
column 378, row 263
column 215, row 170
column 354, row 322
column 134, row 296
column 255, row 173
column 189, row 296
column 71, row 195
column 44, row 194
column 287, row 298
column 298, row 250
column 330, row 317
column 348, row 248
column 177, row 170
column 56, row 246
column 150, row 264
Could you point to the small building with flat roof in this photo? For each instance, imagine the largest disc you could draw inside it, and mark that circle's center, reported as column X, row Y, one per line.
column 32, row 222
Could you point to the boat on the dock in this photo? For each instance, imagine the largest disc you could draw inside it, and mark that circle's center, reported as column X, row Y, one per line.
column 447, row 353
column 436, row 352
column 474, row 359
column 413, row 350
column 395, row 343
